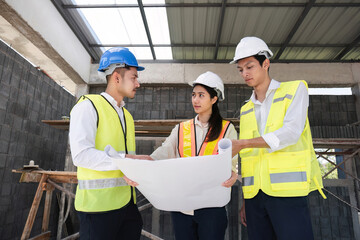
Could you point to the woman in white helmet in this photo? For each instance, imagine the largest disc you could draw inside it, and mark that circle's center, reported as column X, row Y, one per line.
column 209, row 127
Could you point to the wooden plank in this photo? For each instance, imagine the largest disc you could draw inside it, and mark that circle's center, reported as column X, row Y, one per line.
column 64, row 179
column 56, row 176
column 72, row 237
column 30, row 177
column 58, row 124
column 336, row 142
column 47, row 207
column 33, row 210
column 150, row 235
column 42, row 236
column 57, row 173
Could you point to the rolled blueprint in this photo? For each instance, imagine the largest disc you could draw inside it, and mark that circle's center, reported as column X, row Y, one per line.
column 183, row 184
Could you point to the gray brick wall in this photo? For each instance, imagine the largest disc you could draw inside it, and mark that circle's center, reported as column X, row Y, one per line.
column 331, row 219
column 174, row 101
column 26, row 97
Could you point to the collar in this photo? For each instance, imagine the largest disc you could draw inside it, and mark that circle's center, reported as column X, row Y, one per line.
column 112, row 100
column 272, row 86
column 197, row 122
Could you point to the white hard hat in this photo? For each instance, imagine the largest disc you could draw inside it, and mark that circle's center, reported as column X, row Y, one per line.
column 250, row 46
column 211, row 80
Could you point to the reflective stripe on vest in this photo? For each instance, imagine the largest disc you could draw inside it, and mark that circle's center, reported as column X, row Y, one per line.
column 288, row 177
column 248, row 181
column 100, row 191
column 289, row 172
column 187, row 140
column 247, row 111
column 101, row 183
column 288, row 96
column 279, row 178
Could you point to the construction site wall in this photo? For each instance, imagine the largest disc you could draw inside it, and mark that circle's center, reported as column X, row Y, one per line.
column 27, row 96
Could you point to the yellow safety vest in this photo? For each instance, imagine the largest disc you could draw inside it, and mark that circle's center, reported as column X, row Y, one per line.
column 187, row 140
column 289, row 172
column 100, row 191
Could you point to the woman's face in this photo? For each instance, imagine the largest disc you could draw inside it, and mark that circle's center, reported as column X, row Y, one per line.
column 201, row 100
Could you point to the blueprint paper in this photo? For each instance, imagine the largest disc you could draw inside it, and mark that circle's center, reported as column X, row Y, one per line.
column 182, row 184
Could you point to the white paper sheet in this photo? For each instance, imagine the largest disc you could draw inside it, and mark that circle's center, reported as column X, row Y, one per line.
column 182, row 184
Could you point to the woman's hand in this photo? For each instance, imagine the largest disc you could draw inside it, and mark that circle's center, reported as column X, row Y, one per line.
column 140, row 157
column 130, row 182
column 242, row 214
column 231, row 181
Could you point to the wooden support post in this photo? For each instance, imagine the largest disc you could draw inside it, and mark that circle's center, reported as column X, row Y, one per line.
column 61, row 216
column 33, row 210
column 47, row 207
column 72, row 237
column 43, row 236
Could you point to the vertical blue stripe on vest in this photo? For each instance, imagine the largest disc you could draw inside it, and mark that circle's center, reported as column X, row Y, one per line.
column 288, row 177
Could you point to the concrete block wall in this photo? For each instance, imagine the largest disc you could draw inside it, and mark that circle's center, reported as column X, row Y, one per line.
column 331, row 218
column 27, row 96
column 153, row 101
column 174, row 101
column 332, row 110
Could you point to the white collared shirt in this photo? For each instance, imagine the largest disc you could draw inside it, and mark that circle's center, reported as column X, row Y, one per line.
column 294, row 120
column 169, row 147
column 82, row 133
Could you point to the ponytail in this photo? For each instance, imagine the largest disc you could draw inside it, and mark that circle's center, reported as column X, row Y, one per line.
column 215, row 124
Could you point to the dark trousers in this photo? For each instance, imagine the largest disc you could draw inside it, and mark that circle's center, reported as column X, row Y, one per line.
column 205, row 224
column 281, row 218
column 124, row 224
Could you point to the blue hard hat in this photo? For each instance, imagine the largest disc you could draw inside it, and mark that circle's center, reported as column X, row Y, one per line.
column 119, row 55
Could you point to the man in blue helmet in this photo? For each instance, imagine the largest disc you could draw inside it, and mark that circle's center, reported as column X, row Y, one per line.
column 106, row 205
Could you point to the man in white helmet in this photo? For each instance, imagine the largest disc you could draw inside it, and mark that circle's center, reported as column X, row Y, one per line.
column 278, row 163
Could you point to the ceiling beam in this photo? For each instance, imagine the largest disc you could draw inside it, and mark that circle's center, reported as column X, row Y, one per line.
column 228, row 60
column 219, row 30
column 348, row 48
column 75, row 28
column 303, row 15
column 192, row 5
column 143, row 15
column 223, row 45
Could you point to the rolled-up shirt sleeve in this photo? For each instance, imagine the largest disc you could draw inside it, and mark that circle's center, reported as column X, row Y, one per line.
column 82, row 133
column 294, row 122
column 232, row 134
column 168, row 149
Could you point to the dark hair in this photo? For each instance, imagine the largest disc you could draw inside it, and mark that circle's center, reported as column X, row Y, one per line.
column 119, row 70
column 215, row 121
column 261, row 59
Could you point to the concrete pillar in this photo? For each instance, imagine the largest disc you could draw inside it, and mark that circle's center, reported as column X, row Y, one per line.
column 355, row 68
column 81, row 89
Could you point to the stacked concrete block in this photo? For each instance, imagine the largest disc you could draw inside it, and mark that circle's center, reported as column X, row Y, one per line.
column 27, row 96
column 331, row 218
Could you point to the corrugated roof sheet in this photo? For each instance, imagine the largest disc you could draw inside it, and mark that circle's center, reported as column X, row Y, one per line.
column 208, row 30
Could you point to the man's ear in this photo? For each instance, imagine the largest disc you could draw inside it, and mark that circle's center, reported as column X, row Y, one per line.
column 266, row 64
column 116, row 76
